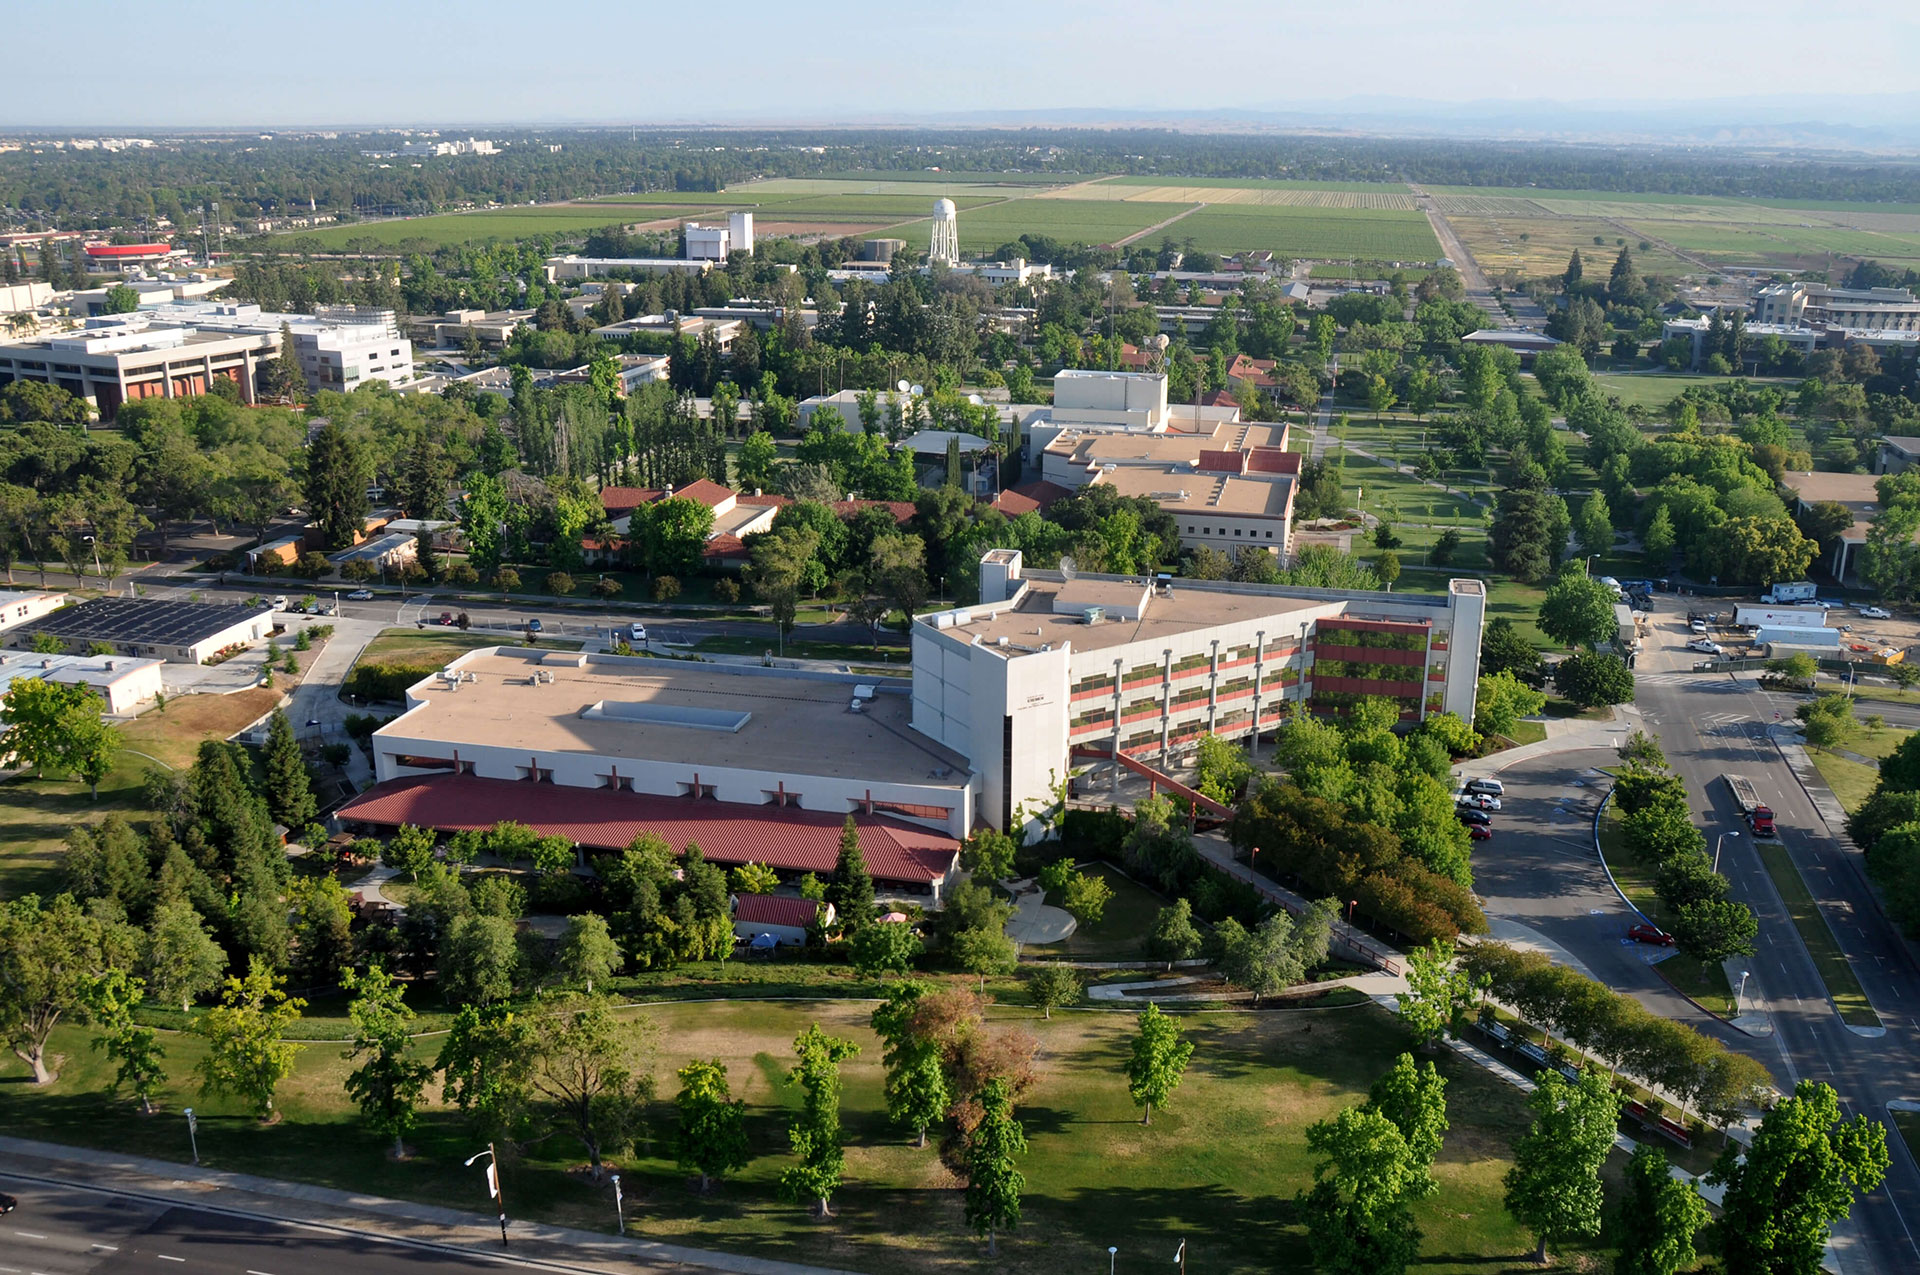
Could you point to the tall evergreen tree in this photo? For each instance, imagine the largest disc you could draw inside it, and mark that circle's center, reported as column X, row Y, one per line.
column 1574, row 271
column 338, row 473
column 851, row 891
column 288, row 787
column 284, row 380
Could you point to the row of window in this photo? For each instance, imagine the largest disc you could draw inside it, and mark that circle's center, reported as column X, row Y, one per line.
column 1208, row 531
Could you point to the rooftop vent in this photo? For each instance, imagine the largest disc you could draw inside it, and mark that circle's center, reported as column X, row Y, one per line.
column 1093, row 615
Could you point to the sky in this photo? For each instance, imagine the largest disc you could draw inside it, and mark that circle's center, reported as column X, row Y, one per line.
column 429, row 62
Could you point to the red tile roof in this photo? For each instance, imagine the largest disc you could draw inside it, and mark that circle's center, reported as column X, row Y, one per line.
column 704, row 490
column 774, row 909
column 902, row 510
column 784, row 838
column 1218, row 398
column 1038, row 491
column 624, row 500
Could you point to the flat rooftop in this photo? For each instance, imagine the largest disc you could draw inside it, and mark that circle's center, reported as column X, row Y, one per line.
column 1196, row 492
column 666, row 710
column 134, row 620
column 1093, row 446
column 1035, row 623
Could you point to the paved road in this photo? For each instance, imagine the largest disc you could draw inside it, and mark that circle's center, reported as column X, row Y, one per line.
column 1710, row 725
column 1479, row 288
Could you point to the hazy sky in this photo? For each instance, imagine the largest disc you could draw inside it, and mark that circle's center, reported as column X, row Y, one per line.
column 484, row 61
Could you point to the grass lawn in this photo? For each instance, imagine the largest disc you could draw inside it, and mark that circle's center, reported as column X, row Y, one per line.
column 1707, row 987
column 1852, row 783
column 1519, row 603
column 36, row 814
column 172, row 735
column 1526, row 732
column 801, row 648
column 1878, row 744
column 437, row 646
column 1908, row 1124
column 1848, row 996
column 1219, row 1167
column 1651, row 390
column 1121, row 932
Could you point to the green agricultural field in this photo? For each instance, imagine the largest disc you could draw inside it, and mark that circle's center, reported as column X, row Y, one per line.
column 1373, row 234
column 1541, row 245
column 1219, row 1167
column 460, row 228
column 1749, row 241
column 1259, row 183
column 848, row 205
column 1068, row 220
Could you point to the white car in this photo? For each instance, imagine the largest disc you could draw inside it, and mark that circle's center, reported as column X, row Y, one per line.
column 1478, row 801
column 360, row 595
column 1697, row 626
column 1706, row 647
column 1875, row 613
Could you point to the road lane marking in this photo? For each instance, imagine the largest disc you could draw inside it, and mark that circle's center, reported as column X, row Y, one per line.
column 32, row 1235
column 257, row 1273
column 111, row 1248
column 167, row 1258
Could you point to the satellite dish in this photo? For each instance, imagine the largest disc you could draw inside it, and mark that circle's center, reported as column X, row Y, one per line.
column 903, row 386
column 975, row 399
column 1069, row 569
column 917, row 390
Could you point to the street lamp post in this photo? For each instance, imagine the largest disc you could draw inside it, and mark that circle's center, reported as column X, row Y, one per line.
column 493, row 1186
column 1112, row 1254
column 1180, row 1258
column 1716, row 847
column 193, row 1133
column 619, row 1208
column 1741, row 994
column 1351, row 905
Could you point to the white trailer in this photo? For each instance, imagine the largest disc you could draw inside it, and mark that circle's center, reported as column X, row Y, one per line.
column 1772, row 617
column 1797, row 591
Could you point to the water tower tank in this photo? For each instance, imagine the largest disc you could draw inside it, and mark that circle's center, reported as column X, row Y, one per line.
column 945, row 245
column 944, row 208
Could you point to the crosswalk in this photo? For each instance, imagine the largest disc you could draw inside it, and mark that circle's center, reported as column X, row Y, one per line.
column 1678, row 678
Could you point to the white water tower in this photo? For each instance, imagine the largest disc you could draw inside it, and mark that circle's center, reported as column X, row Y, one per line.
column 946, row 234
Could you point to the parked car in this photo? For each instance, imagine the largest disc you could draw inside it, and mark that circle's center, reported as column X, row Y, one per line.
column 360, row 595
column 533, row 626
column 280, row 603
column 7, row 1203
column 1652, row 934
column 1697, row 626
column 1875, row 613
column 446, row 617
column 636, row 634
column 1706, row 646
column 1479, row 832
column 1468, row 815
column 1492, row 787
column 1479, row 800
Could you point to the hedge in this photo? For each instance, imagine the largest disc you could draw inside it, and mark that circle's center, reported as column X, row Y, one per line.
column 386, row 681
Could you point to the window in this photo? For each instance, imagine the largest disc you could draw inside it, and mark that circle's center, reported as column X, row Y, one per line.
column 414, row 762
column 1236, row 533
column 535, row 774
column 697, row 791
column 619, row 783
column 781, row 797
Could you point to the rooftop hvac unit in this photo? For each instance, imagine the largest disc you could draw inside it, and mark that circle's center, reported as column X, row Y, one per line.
column 1093, row 615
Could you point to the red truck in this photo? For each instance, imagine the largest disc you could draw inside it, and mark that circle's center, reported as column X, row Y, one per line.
column 1759, row 815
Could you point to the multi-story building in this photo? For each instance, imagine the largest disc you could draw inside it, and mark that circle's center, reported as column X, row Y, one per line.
column 1047, row 669
column 717, row 243
column 110, row 362
column 340, row 347
column 1818, row 305
column 574, row 266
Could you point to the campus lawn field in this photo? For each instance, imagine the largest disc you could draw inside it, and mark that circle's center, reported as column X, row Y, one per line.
column 37, row 813
column 172, row 737
column 1219, row 1167
column 428, row 646
column 1652, row 391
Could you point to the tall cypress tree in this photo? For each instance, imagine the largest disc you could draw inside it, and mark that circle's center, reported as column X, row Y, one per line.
column 288, row 789
column 851, row 892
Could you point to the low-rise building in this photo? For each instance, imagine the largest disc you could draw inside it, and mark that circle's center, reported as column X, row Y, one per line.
column 1801, row 304
column 389, row 552
column 123, row 683
column 178, row 632
column 573, row 266
column 1854, row 491
column 18, row 606
column 785, row 918
column 489, row 327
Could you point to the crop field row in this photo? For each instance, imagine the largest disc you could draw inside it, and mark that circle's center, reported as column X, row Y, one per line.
column 1746, row 242
column 464, row 228
column 1084, row 221
column 1542, row 245
column 1258, row 183
column 1187, row 192
column 1369, row 234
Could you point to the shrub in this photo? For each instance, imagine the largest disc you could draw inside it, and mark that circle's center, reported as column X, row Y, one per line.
column 559, row 583
column 726, row 589
column 665, row 588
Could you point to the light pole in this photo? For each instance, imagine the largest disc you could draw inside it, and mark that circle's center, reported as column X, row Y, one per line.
column 1180, row 1258
column 193, row 1134
column 1741, row 994
column 619, row 1210
column 1716, row 847
column 1112, row 1253
column 493, row 1186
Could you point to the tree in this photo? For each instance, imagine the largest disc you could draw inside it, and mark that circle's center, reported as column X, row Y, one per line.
column 587, row 951
column 47, row 953
column 1713, row 930
column 1578, row 611
column 1436, row 992
column 320, row 929
column 409, row 850
column 885, row 946
column 1503, row 650
column 851, row 888
column 583, row 1063
column 1085, row 898
column 1414, row 1098
column 1173, row 937
column 1358, row 1218
column 111, row 998
column 712, row 1137
column 1529, row 533
column 1797, row 1178
column 285, row 783
column 1553, row 1188
column 282, row 379
column 754, row 463
column 993, row 1183
column 1570, row 279
column 486, row 1068
column 673, row 535
column 1262, row 961
column 1656, row 543
column 338, row 472
column 1501, row 700
column 120, row 299
column 982, row 951
column 182, row 961
column 1387, row 568
column 478, row 960
column 1658, row 1218
column 754, row 878
column 917, row 1090
column 387, row 1084
column 1049, row 986
column 1592, row 681
column 815, row 1132
column 988, row 854
column 246, row 1055
column 51, row 724
column 1157, row 1063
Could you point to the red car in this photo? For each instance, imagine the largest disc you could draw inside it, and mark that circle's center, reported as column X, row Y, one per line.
column 1650, row 934
column 1479, row 832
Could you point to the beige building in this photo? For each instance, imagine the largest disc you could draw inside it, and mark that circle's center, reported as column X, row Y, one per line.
column 1818, row 305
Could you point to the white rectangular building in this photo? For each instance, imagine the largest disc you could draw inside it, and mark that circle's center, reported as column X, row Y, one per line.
column 124, row 684
column 1047, row 668
column 17, row 606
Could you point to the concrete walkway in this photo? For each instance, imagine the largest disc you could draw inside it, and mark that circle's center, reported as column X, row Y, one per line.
column 1564, row 735
column 1035, row 922
column 475, row 1236
column 1348, row 942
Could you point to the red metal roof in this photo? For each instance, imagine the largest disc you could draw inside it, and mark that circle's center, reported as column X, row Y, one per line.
column 127, row 249
column 774, row 909
column 782, row 837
